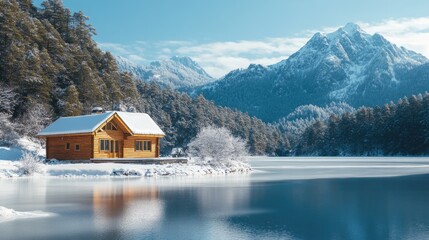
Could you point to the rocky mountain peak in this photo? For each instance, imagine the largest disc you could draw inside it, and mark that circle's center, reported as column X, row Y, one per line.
column 347, row 65
column 176, row 72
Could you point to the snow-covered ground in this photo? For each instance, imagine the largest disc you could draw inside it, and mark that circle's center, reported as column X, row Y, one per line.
column 7, row 214
column 10, row 166
column 10, row 169
column 21, row 145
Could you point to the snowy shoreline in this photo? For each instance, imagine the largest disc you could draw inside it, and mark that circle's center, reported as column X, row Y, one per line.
column 10, row 166
column 10, row 169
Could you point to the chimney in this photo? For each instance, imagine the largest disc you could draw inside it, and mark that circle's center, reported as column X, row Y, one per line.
column 97, row 110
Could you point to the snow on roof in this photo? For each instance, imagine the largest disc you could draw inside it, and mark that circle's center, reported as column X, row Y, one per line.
column 77, row 124
column 138, row 123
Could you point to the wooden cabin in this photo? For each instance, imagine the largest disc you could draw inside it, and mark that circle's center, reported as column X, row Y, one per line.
column 103, row 135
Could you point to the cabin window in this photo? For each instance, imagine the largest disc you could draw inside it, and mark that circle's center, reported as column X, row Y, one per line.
column 110, row 126
column 139, row 145
column 77, row 147
column 67, row 146
column 104, row 145
column 147, row 146
column 143, row 145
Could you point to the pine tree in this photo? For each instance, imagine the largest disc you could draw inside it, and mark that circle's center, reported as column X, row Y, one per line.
column 90, row 87
column 110, row 75
column 72, row 105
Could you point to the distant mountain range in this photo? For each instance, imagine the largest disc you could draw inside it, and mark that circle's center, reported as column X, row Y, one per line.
column 176, row 72
column 348, row 65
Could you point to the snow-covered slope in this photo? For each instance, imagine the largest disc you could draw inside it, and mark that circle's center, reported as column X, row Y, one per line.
column 349, row 62
column 348, row 65
column 176, row 72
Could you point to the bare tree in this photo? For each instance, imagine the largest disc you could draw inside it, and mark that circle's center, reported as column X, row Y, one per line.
column 36, row 117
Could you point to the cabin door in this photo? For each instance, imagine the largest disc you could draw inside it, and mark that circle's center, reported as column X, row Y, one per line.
column 114, row 149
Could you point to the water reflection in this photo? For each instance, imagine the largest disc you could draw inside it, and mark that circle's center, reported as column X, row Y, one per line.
column 233, row 201
column 114, row 200
column 372, row 208
column 29, row 194
column 264, row 205
column 119, row 209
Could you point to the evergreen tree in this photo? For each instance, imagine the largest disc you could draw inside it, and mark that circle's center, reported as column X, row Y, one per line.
column 72, row 105
column 90, row 87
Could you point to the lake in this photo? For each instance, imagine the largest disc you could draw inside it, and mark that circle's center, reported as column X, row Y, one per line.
column 284, row 198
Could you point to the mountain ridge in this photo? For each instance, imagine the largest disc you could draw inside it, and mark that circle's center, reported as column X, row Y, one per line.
column 347, row 65
column 176, row 72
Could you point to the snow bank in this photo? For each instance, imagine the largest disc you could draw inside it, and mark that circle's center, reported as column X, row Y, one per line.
column 31, row 145
column 22, row 145
column 152, row 170
column 10, row 169
column 7, row 214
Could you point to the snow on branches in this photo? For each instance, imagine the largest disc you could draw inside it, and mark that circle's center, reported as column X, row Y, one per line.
column 217, row 147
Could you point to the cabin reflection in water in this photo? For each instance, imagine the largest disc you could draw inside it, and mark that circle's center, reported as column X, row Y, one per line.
column 127, row 207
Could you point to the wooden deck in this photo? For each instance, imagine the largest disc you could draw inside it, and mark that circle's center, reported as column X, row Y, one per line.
column 162, row 160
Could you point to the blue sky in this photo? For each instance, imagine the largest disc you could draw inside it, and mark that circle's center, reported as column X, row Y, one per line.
column 222, row 35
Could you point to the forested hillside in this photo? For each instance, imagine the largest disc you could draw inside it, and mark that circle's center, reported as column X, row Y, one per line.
column 394, row 129
column 51, row 67
column 182, row 116
column 303, row 117
column 48, row 57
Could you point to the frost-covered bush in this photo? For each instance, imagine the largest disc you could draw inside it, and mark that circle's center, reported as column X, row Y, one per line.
column 217, row 147
column 30, row 163
column 8, row 134
column 37, row 116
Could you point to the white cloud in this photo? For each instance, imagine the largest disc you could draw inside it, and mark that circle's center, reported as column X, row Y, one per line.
column 135, row 58
column 411, row 33
column 134, row 52
column 218, row 58
column 115, row 48
column 398, row 26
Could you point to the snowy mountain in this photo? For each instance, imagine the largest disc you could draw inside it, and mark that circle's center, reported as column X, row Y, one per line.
column 176, row 72
column 348, row 65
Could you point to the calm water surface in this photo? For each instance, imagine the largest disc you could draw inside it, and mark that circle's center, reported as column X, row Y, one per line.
column 284, row 198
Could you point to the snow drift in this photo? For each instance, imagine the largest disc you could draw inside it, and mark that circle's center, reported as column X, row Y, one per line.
column 7, row 214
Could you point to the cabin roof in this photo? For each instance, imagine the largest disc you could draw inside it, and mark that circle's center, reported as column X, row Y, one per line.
column 138, row 123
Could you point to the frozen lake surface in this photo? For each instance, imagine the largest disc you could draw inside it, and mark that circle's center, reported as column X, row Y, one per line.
column 284, row 198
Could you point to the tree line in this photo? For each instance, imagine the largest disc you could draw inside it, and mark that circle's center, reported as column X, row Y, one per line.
column 182, row 116
column 400, row 128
